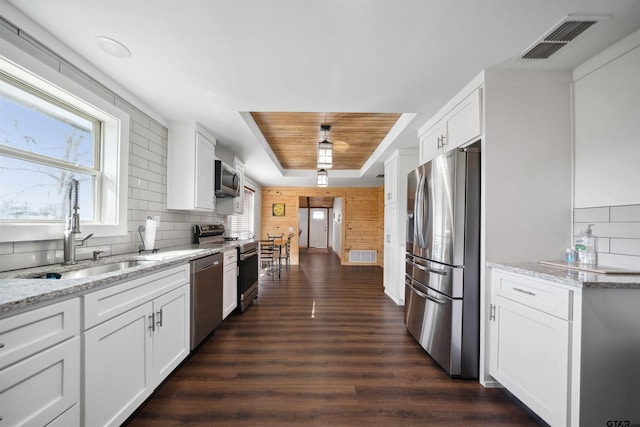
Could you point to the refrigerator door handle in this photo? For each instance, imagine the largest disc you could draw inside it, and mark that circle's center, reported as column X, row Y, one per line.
column 429, row 297
column 419, row 210
column 427, row 269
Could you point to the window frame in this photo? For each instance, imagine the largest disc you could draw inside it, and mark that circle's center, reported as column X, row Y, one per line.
column 112, row 187
column 247, row 211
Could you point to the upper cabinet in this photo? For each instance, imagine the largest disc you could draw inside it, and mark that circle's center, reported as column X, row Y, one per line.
column 462, row 123
column 607, row 127
column 190, row 167
column 233, row 205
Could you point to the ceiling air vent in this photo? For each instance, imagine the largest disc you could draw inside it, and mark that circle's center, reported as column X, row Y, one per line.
column 559, row 36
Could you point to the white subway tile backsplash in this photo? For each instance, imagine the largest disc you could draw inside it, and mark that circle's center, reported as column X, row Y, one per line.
column 618, row 234
column 625, row 247
column 158, row 188
column 6, row 248
column 625, row 213
column 591, row 215
column 142, row 205
column 26, row 260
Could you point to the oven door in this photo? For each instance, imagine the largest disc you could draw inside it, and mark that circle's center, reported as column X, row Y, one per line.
column 248, row 272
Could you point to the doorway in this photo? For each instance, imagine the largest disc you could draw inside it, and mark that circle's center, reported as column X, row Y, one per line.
column 318, row 228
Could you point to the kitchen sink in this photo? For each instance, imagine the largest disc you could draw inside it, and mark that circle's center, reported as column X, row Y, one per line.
column 95, row 270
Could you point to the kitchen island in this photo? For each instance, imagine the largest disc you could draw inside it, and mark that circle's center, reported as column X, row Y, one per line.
column 566, row 342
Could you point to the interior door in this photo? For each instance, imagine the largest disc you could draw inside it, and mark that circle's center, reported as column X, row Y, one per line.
column 318, row 226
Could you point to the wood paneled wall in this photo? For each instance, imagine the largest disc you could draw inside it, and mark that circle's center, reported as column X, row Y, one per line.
column 362, row 222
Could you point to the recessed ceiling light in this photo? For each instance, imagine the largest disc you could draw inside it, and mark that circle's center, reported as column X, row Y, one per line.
column 113, row 47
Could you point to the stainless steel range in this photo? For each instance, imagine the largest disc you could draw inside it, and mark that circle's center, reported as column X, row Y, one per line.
column 211, row 235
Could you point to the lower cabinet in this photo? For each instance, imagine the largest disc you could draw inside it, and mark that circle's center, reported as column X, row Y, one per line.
column 128, row 356
column 567, row 352
column 40, row 366
column 525, row 337
column 230, row 283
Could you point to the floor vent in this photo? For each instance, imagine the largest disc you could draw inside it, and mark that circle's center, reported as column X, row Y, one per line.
column 362, row 256
column 559, row 36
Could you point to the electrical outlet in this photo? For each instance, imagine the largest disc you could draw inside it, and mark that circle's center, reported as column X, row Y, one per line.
column 290, row 228
column 156, row 218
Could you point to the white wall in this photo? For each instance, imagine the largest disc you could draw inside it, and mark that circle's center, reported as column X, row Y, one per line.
column 607, row 152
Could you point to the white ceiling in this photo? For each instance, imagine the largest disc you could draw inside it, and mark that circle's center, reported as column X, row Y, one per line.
column 213, row 61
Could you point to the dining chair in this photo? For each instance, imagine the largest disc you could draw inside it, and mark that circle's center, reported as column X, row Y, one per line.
column 287, row 249
column 268, row 256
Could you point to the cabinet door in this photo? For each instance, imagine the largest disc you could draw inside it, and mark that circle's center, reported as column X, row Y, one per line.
column 35, row 391
column 391, row 181
column 430, row 142
column 529, row 355
column 205, row 156
column 230, row 290
column 118, row 357
column 391, row 250
column 171, row 338
column 463, row 123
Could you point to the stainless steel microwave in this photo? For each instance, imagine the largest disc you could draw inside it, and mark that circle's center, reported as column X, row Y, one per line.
column 227, row 182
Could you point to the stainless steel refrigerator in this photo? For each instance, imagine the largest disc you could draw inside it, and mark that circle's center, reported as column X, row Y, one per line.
column 442, row 282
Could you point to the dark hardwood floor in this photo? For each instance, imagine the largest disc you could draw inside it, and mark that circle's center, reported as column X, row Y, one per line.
column 322, row 346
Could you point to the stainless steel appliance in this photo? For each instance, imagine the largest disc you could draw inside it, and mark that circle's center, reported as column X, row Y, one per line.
column 247, row 273
column 442, row 282
column 206, row 284
column 227, row 182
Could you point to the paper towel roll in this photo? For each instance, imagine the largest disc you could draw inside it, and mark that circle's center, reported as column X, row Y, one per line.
column 149, row 238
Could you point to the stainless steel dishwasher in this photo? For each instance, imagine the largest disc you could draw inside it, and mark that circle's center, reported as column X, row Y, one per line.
column 206, row 296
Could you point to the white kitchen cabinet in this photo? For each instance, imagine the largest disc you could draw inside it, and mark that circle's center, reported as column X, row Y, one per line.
column 233, row 205
column 607, row 129
column 391, row 180
column 190, row 167
column 392, row 268
column 230, row 283
column 460, row 125
column 40, row 365
column 530, row 344
column 565, row 351
column 138, row 333
column 397, row 166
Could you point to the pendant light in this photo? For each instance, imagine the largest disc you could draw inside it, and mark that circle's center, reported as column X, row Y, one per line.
column 323, row 178
column 325, row 150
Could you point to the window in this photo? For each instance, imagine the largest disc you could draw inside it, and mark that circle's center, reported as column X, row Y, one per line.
column 52, row 130
column 44, row 144
column 317, row 214
column 245, row 223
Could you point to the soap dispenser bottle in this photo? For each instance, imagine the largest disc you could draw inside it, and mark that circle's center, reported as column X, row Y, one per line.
column 586, row 246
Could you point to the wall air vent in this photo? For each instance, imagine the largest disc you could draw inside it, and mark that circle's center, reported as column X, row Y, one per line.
column 559, row 36
column 364, row 256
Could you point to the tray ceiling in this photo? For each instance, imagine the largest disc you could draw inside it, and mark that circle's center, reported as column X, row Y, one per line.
column 294, row 137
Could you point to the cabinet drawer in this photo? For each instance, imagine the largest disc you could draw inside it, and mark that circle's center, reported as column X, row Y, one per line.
column 230, row 257
column 37, row 390
column 28, row 333
column 110, row 302
column 535, row 293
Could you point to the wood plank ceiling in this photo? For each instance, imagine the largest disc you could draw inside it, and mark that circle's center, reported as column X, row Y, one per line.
column 294, row 137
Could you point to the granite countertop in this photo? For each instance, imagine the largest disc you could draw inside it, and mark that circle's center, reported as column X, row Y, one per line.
column 566, row 276
column 20, row 288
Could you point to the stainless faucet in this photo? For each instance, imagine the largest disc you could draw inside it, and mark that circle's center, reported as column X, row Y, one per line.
column 73, row 225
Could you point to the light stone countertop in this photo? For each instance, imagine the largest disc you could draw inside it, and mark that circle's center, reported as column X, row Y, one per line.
column 566, row 276
column 19, row 289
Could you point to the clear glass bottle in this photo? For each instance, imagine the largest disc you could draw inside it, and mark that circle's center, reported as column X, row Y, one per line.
column 585, row 245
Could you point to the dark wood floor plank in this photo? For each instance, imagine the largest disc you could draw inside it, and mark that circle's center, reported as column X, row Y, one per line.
column 322, row 346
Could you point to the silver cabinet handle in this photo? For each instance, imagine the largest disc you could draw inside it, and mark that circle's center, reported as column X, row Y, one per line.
column 159, row 322
column 492, row 313
column 152, row 325
column 522, row 291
